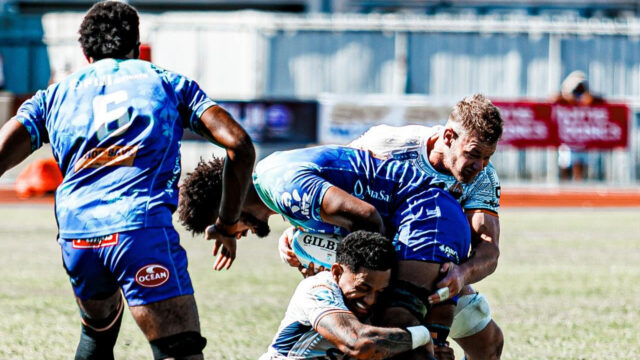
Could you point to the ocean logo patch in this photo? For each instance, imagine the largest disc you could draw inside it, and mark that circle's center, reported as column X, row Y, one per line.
column 152, row 275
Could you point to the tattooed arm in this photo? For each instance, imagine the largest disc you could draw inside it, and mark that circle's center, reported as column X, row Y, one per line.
column 363, row 341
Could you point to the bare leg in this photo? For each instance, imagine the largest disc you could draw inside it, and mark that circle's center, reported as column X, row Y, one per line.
column 100, row 326
column 100, row 309
column 168, row 317
column 156, row 320
column 424, row 275
column 486, row 344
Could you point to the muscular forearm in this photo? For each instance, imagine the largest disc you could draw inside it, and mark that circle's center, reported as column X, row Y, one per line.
column 362, row 341
column 225, row 131
column 377, row 343
column 485, row 232
column 15, row 145
column 236, row 181
column 344, row 210
column 482, row 263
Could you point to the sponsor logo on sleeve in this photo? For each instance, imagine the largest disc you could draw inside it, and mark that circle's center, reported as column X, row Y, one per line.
column 96, row 242
column 410, row 155
column 152, row 275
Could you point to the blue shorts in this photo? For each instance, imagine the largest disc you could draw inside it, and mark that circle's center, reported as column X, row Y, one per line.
column 149, row 265
column 431, row 226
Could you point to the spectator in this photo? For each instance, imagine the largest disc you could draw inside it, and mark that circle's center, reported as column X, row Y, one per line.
column 573, row 161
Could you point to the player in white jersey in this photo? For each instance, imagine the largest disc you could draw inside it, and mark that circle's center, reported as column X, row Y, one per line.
column 426, row 147
column 326, row 317
column 457, row 154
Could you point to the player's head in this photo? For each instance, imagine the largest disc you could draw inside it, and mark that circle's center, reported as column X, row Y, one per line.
column 471, row 135
column 363, row 269
column 200, row 195
column 110, row 30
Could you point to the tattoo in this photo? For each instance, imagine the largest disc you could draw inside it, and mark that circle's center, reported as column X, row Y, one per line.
column 345, row 331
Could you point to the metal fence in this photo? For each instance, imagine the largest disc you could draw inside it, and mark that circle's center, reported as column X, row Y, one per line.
column 249, row 55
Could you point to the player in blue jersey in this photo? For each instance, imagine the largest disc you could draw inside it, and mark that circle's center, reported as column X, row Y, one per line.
column 458, row 154
column 115, row 129
column 337, row 190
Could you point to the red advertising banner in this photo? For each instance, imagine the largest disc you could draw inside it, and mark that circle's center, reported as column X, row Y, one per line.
column 527, row 124
column 592, row 127
column 539, row 124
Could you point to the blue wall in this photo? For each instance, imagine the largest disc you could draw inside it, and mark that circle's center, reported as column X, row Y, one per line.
column 25, row 60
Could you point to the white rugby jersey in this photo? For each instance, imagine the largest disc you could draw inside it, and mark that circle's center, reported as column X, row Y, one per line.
column 409, row 143
column 315, row 297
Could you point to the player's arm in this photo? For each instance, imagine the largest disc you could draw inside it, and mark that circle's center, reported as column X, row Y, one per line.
column 226, row 132
column 15, row 144
column 362, row 341
column 222, row 129
column 205, row 117
column 347, row 211
column 337, row 208
column 485, row 231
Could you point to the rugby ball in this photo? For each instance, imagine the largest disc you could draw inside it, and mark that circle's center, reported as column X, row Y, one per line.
column 316, row 248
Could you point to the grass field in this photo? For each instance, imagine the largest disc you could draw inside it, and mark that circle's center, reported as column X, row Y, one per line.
column 567, row 287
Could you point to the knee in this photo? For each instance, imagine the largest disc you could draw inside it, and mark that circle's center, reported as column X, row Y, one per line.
column 98, row 336
column 179, row 346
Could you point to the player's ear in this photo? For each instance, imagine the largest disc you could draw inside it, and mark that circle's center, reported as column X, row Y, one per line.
column 336, row 271
column 448, row 136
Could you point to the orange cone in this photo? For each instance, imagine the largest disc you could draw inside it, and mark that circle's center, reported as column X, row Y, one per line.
column 38, row 178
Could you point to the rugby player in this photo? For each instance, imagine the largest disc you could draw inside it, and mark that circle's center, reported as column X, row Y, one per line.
column 337, row 190
column 458, row 154
column 115, row 128
column 328, row 313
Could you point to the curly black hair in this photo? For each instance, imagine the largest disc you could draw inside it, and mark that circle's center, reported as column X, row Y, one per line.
column 367, row 250
column 200, row 195
column 109, row 30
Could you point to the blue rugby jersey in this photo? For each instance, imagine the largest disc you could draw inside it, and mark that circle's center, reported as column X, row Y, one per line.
column 427, row 222
column 293, row 183
column 115, row 129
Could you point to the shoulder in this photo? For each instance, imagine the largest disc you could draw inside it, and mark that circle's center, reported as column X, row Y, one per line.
column 402, row 132
column 484, row 191
column 385, row 138
column 320, row 286
column 488, row 175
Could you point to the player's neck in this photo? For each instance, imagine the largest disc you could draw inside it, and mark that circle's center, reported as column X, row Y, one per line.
column 131, row 55
column 436, row 153
column 254, row 204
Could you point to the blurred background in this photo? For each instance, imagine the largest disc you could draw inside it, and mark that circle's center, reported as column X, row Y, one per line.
column 565, row 73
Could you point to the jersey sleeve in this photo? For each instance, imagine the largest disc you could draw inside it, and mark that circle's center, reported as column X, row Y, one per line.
column 192, row 101
column 32, row 115
column 385, row 140
column 322, row 300
column 484, row 192
column 372, row 139
column 296, row 192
